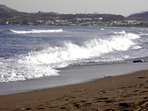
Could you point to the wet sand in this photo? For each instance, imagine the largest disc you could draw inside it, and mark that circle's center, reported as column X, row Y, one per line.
column 119, row 93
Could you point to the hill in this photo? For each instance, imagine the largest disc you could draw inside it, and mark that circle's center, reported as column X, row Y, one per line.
column 11, row 16
column 6, row 12
column 143, row 16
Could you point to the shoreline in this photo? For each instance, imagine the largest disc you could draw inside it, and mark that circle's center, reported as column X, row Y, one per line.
column 128, row 92
column 71, row 75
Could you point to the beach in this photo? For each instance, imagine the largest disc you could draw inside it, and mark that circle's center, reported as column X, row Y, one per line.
column 125, row 92
column 73, row 68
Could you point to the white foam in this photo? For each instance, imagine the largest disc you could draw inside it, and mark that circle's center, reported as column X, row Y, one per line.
column 57, row 57
column 44, row 63
column 127, row 35
column 33, row 31
column 14, row 71
column 102, row 29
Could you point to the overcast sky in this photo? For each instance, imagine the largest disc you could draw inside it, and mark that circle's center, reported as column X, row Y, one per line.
column 124, row 7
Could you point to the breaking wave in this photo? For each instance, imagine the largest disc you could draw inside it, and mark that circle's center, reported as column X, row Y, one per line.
column 14, row 71
column 34, row 31
column 70, row 52
column 47, row 62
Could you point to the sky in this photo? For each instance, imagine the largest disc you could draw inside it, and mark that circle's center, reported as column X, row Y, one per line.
column 123, row 7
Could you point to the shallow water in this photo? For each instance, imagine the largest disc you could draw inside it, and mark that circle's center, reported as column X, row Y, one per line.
column 71, row 75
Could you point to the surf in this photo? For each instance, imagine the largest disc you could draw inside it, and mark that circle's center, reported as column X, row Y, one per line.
column 48, row 61
column 93, row 48
column 35, row 31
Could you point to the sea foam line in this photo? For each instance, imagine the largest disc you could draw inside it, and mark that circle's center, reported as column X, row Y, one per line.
column 69, row 52
column 33, row 31
column 45, row 62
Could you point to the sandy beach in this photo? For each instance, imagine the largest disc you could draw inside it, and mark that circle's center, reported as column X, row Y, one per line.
column 119, row 93
column 78, row 69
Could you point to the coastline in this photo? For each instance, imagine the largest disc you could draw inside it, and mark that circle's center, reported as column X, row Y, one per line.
column 71, row 75
column 123, row 92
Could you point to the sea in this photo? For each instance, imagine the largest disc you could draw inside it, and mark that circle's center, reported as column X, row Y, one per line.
column 32, row 52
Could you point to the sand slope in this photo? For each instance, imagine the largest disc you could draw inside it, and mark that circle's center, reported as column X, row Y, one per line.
column 120, row 93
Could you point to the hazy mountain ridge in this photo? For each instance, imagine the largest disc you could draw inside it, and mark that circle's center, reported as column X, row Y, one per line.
column 6, row 12
column 11, row 16
column 143, row 16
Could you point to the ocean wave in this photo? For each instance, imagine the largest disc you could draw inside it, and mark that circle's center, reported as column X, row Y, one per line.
column 93, row 48
column 11, row 70
column 127, row 35
column 35, row 31
column 47, row 61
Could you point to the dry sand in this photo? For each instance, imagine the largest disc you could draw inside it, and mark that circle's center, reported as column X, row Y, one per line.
column 120, row 93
